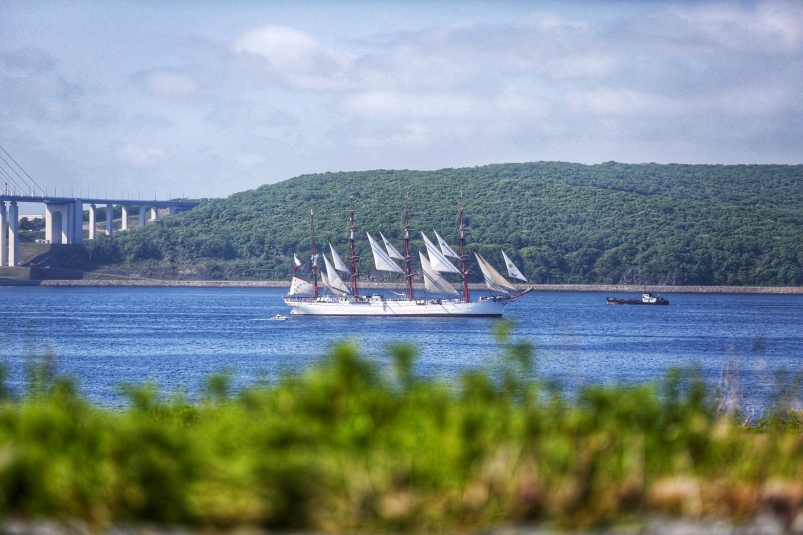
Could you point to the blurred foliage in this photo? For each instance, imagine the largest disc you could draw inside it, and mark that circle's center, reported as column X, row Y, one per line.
column 561, row 222
column 346, row 446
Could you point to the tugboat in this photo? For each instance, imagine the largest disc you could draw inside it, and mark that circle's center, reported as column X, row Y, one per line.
column 646, row 299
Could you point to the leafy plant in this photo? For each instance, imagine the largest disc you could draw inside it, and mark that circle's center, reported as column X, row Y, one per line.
column 345, row 446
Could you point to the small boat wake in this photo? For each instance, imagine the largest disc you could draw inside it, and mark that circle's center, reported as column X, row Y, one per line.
column 277, row 317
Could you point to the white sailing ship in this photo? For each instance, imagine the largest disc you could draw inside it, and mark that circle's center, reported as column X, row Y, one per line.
column 335, row 298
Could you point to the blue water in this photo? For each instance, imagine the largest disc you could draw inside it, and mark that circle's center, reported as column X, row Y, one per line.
column 105, row 337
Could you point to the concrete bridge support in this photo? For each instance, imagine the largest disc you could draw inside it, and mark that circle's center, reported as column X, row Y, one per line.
column 93, row 223
column 141, row 215
column 61, row 222
column 124, row 222
column 3, row 232
column 154, row 213
column 109, row 219
column 13, row 234
column 172, row 210
column 78, row 222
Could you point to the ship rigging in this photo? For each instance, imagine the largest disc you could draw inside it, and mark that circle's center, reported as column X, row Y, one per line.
column 340, row 300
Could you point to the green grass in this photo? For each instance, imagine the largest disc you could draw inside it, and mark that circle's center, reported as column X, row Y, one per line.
column 345, row 446
column 15, row 273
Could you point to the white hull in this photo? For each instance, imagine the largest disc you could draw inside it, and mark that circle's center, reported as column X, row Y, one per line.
column 376, row 305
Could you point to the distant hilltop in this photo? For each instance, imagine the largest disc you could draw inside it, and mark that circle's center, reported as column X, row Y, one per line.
column 562, row 223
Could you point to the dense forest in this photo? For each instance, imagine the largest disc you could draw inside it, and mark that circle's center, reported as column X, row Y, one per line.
column 560, row 222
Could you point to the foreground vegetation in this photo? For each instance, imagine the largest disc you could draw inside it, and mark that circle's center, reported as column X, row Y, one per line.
column 560, row 222
column 345, row 446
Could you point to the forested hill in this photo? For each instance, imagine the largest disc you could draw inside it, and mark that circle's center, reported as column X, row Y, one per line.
column 561, row 222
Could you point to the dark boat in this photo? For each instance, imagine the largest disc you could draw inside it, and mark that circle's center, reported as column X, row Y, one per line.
column 646, row 299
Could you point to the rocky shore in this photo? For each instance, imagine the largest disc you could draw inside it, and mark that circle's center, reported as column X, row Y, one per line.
column 608, row 288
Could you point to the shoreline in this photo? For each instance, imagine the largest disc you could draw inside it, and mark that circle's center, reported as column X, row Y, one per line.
column 610, row 288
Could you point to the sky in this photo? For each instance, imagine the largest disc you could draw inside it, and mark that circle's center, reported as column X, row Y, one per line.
column 206, row 98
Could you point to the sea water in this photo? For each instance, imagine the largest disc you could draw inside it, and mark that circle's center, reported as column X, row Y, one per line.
column 177, row 337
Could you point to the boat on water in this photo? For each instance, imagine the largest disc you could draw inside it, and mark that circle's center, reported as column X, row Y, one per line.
column 334, row 298
column 278, row 317
column 647, row 298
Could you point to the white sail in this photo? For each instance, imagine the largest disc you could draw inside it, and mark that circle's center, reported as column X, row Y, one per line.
column 433, row 282
column 381, row 259
column 334, row 280
column 438, row 261
column 339, row 264
column 301, row 288
column 335, row 291
column 392, row 252
column 445, row 249
column 512, row 270
column 493, row 279
column 325, row 282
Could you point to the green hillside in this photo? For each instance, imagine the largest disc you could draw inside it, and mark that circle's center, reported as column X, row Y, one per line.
column 562, row 223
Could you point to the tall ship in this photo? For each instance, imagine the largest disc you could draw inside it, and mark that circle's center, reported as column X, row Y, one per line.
column 333, row 297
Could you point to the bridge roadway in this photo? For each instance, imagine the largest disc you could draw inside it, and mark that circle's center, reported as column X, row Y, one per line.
column 64, row 218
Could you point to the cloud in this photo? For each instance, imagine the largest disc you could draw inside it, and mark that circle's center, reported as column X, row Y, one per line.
column 28, row 59
column 149, row 120
column 140, row 156
column 295, row 56
column 687, row 74
column 286, row 49
column 168, row 83
column 253, row 113
column 392, row 105
column 38, row 96
column 774, row 27
column 250, row 159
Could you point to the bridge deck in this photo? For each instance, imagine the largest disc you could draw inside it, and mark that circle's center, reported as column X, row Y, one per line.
column 87, row 200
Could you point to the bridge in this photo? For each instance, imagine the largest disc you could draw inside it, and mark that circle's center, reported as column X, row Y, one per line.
column 64, row 218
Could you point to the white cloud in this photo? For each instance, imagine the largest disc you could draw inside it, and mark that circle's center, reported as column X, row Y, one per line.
column 140, row 156
column 286, row 49
column 250, row 160
column 623, row 103
column 250, row 113
column 772, row 27
column 169, row 83
column 396, row 105
column 295, row 56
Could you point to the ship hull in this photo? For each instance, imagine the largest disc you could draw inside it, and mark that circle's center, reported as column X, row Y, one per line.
column 378, row 306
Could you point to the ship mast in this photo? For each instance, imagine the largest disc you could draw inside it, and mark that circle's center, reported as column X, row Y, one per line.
column 314, row 254
column 463, row 257
column 408, row 260
column 354, row 257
